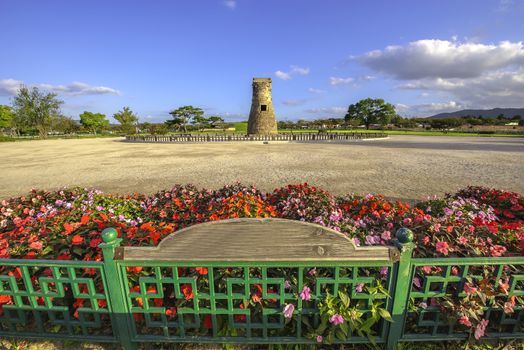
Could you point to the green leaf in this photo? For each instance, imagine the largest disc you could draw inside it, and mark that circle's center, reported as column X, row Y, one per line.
column 385, row 314
column 344, row 328
column 340, row 335
column 344, row 298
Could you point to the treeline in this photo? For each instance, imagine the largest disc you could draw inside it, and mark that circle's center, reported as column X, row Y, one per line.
column 401, row 123
column 34, row 112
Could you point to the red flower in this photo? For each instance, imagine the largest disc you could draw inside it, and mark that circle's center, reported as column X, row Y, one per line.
column 95, row 242
column 84, row 220
column 171, row 312
column 187, row 291
column 68, row 228
column 208, row 323
column 134, row 269
column 77, row 240
column 201, row 270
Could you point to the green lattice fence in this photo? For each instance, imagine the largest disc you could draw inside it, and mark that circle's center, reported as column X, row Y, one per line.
column 437, row 279
column 55, row 299
column 230, row 282
column 217, row 308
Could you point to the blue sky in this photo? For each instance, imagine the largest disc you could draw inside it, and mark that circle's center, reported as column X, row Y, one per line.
column 423, row 56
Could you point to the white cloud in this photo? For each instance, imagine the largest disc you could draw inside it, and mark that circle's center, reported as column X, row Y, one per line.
column 474, row 75
column 338, row 111
column 232, row 4
column 294, row 71
column 340, row 81
column 282, row 75
column 494, row 89
column 315, row 91
column 11, row 87
column 294, row 102
column 427, row 109
column 443, row 59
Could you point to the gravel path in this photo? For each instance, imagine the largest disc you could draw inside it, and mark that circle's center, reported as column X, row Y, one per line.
column 401, row 166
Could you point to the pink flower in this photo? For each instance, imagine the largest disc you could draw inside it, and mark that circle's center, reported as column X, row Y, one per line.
column 480, row 330
column 508, row 307
column 497, row 250
column 426, row 269
column 336, row 319
column 504, row 285
column 462, row 240
column 442, row 247
column 436, row 227
column 288, row 311
column 468, row 289
column 320, row 339
column 407, row 221
column 287, row 284
column 386, row 235
column 36, row 245
column 464, row 320
column 359, row 287
column 306, row 293
column 313, row 271
column 416, row 282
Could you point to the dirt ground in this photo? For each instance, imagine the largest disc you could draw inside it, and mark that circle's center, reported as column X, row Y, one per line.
column 401, row 166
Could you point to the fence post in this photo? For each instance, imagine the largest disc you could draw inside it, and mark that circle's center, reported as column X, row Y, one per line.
column 402, row 286
column 120, row 313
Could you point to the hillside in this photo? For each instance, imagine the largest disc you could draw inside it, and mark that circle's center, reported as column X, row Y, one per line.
column 484, row 113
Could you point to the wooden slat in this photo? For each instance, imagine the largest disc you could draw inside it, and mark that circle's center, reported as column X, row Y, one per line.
column 257, row 240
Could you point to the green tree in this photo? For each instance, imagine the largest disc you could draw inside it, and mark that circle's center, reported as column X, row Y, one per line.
column 215, row 120
column 127, row 119
column 94, row 121
column 35, row 109
column 200, row 122
column 370, row 111
column 6, row 117
column 184, row 115
column 66, row 125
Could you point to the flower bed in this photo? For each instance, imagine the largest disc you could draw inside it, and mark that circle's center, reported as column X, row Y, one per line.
column 474, row 222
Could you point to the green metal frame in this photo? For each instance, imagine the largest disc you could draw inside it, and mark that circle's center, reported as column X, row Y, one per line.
column 239, row 288
column 41, row 294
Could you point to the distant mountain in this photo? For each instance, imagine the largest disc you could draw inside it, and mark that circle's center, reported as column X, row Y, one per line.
column 484, row 113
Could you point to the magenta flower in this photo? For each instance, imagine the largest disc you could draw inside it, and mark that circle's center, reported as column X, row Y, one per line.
column 306, row 293
column 287, row 284
column 313, row 271
column 320, row 339
column 288, row 311
column 336, row 319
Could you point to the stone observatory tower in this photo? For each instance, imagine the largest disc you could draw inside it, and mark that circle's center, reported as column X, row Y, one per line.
column 262, row 116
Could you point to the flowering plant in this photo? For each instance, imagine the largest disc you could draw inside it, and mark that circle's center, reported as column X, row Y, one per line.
column 342, row 317
column 476, row 221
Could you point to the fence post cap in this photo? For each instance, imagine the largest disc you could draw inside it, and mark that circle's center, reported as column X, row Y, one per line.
column 109, row 235
column 404, row 235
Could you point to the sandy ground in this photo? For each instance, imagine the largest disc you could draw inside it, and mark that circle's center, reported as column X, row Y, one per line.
column 401, row 166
